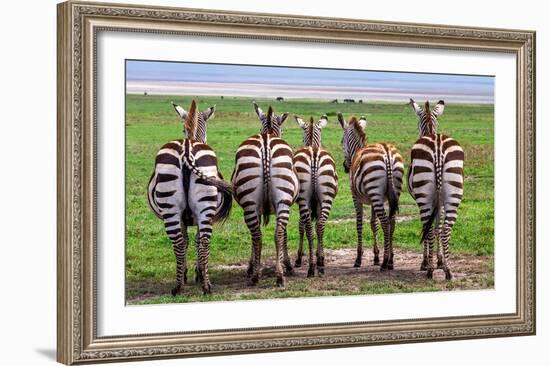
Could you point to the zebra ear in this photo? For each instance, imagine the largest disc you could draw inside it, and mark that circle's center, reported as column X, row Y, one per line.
column 180, row 111
column 300, row 122
column 209, row 113
column 362, row 122
column 415, row 106
column 284, row 116
column 258, row 110
column 439, row 108
column 323, row 122
column 342, row 121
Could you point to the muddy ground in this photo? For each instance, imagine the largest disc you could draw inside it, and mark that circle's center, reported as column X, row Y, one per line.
column 340, row 278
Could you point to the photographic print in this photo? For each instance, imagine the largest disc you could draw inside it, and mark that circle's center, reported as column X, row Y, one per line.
column 248, row 182
column 306, row 182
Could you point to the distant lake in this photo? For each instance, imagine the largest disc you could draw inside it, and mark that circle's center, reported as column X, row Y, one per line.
column 177, row 78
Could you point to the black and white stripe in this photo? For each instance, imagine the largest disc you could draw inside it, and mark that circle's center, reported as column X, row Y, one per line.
column 436, row 182
column 264, row 182
column 316, row 172
column 376, row 175
column 186, row 189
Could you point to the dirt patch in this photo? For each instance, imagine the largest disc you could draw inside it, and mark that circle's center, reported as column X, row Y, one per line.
column 340, row 278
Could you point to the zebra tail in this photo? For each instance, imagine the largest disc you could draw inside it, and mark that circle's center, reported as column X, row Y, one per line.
column 393, row 200
column 224, row 208
column 266, row 199
column 314, row 199
column 433, row 216
column 223, row 187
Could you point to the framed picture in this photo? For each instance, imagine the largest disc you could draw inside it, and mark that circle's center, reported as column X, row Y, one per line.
column 240, row 182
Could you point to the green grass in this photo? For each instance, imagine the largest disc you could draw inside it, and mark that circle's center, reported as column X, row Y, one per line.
column 151, row 122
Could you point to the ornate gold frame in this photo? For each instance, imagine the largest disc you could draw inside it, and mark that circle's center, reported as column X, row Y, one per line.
column 78, row 24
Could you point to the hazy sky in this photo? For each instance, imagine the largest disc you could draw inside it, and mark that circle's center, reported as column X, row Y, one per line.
column 177, row 78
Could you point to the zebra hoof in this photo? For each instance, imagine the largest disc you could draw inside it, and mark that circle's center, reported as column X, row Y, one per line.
column 298, row 262
column 289, row 271
column 281, row 282
column 423, row 267
column 207, row 289
column 357, row 263
column 430, row 274
column 321, row 270
column 252, row 281
column 376, row 262
column 176, row 290
column 440, row 265
column 311, row 271
column 448, row 275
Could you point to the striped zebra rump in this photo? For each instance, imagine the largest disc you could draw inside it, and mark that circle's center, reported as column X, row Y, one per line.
column 168, row 188
column 316, row 171
column 264, row 182
column 436, row 182
column 376, row 176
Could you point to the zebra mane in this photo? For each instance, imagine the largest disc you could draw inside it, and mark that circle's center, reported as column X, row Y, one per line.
column 430, row 123
column 269, row 120
column 310, row 130
column 191, row 121
column 354, row 122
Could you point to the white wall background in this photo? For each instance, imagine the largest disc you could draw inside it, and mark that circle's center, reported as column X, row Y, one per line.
column 27, row 157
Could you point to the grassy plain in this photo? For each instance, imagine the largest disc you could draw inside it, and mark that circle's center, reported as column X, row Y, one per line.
column 150, row 263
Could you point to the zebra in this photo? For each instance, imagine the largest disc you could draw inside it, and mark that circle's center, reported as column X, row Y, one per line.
column 186, row 189
column 376, row 175
column 436, row 182
column 264, row 182
column 316, row 172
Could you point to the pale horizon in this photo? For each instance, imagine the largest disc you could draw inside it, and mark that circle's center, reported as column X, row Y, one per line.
column 171, row 78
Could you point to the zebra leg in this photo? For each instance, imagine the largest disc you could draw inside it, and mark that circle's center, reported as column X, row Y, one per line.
column 392, row 230
column 430, row 244
column 445, row 236
column 359, row 225
column 320, row 248
column 198, row 274
column 300, row 253
column 438, row 240
column 305, row 218
column 374, row 227
column 280, row 232
column 385, row 222
column 203, row 254
column 178, row 235
column 289, row 270
column 253, row 272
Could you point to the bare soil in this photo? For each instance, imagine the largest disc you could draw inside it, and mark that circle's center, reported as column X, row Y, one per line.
column 340, row 278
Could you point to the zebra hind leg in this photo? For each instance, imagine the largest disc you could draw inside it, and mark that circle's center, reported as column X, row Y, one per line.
column 386, row 228
column 300, row 253
column 289, row 270
column 280, row 233
column 359, row 227
column 320, row 248
column 179, row 244
column 252, row 220
column 429, row 242
column 203, row 254
column 445, row 236
column 374, row 223
column 306, row 219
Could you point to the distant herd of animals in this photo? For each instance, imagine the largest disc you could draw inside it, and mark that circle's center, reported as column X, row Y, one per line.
column 187, row 189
